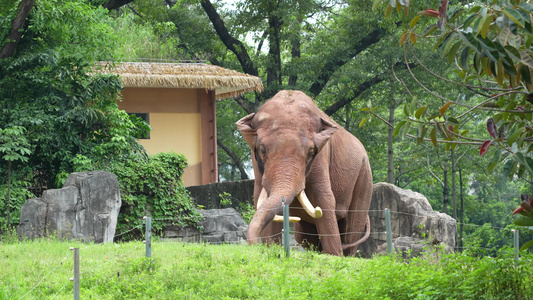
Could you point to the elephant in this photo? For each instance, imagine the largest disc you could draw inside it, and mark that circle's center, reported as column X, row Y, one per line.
column 299, row 152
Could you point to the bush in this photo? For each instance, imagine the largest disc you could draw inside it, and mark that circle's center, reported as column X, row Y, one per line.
column 154, row 187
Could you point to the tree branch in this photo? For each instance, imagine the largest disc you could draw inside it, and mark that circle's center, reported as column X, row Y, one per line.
column 338, row 61
column 115, row 4
column 433, row 174
column 15, row 33
column 359, row 90
column 233, row 44
column 235, row 159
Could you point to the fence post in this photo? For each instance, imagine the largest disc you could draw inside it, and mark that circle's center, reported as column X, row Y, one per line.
column 76, row 277
column 148, row 236
column 389, row 230
column 516, row 244
column 286, row 227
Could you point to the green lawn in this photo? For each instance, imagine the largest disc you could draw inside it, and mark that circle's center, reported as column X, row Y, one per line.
column 42, row 269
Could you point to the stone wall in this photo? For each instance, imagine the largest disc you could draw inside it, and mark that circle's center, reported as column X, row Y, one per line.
column 208, row 195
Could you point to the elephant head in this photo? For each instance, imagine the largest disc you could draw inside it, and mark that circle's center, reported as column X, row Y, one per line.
column 286, row 136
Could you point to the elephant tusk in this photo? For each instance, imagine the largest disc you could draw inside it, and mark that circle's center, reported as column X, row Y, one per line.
column 315, row 212
column 278, row 218
column 262, row 197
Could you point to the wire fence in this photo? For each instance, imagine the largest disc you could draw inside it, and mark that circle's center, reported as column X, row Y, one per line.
column 377, row 234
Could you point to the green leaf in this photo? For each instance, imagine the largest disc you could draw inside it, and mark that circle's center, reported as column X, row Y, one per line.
column 421, row 132
column 376, row 4
column 526, row 245
column 429, row 30
column 469, row 40
column 526, row 6
column 526, row 59
column 526, row 74
column 523, row 221
column 447, row 45
column 512, row 138
column 464, row 58
column 363, row 121
column 406, row 128
column 419, row 112
column 388, row 10
column 398, row 127
column 414, row 21
column 485, row 25
column 433, row 135
column 453, row 121
column 495, row 160
column 514, row 16
column 509, row 168
column 453, row 52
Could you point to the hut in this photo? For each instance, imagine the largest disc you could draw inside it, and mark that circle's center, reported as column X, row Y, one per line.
column 178, row 100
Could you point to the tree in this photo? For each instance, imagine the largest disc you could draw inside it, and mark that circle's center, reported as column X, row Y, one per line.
column 51, row 105
column 13, row 147
column 490, row 45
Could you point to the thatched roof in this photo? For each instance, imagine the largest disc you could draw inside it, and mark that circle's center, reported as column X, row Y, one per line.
column 225, row 82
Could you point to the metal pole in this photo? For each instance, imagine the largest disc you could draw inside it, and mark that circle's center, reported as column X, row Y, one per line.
column 148, row 235
column 389, row 230
column 76, row 278
column 286, row 227
column 516, row 244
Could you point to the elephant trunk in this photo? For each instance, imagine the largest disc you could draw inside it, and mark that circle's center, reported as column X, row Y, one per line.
column 267, row 208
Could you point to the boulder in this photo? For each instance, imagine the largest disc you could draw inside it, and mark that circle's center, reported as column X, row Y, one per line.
column 414, row 223
column 85, row 209
column 219, row 226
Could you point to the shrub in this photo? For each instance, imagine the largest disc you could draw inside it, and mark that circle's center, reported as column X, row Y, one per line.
column 149, row 186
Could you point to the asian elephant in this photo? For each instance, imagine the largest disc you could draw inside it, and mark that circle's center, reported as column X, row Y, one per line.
column 299, row 152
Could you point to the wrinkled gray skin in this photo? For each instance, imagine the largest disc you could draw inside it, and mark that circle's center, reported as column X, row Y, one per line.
column 295, row 147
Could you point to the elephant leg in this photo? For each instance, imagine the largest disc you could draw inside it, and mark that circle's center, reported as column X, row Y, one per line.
column 306, row 235
column 328, row 229
column 272, row 233
column 354, row 224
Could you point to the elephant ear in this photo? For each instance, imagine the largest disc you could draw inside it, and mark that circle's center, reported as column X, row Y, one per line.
column 244, row 125
column 326, row 131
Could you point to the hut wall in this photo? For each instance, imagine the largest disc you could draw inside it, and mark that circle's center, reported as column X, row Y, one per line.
column 181, row 122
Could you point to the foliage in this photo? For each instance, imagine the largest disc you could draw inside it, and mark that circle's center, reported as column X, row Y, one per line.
column 200, row 271
column 13, row 147
column 490, row 44
column 18, row 194
column 48, row 88
column 247, row 211
column 526, row 217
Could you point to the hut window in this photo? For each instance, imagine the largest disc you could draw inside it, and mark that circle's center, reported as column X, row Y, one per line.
column 145, row 117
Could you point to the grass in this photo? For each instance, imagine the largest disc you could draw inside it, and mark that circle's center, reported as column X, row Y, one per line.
column 41, row 269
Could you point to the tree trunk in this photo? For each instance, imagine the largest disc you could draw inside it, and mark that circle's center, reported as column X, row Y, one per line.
column 390, row 151
column 8, row 193
column 274, row 55
column 454, row 195
column 460, row 242
column 445, row 193
column 235, row 159
column 295, row 54
column 16, row 31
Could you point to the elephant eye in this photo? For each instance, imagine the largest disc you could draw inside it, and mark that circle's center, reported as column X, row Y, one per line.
column 262, row 149
column 311, row 153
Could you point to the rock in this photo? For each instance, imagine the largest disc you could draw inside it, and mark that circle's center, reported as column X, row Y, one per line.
column 414, row 222
column 85, row 209
column 219, row 226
